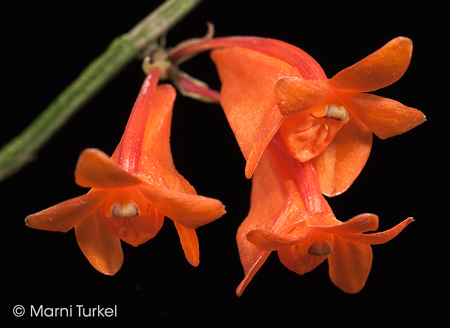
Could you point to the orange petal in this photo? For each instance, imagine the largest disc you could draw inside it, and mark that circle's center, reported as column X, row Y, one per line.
column 378, row 70
column 64, row 216
column 350, row 265
column 248, row 99
column 360, row 223
column 384, row 117
column 138, row 229
column 294, row 94
column 298, row 262
column 189, row 242
column 376, row 238
column 96, row 170
column 269, row 241
column 344, row 158
column 100, row 246
column 306, row 136
column 189, row 210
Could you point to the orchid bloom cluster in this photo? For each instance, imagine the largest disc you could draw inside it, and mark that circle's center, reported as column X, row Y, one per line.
column 303, row 136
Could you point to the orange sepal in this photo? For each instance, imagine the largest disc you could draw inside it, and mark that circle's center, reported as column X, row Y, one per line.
column 378, row 70
column 248, row 98
column 344, row 158
column 360, row 223
column 376, row 238
column 189, row 243
column 349, row 265
column 384, row 117
column 100, row 246
column 294, row 94
column 64, row 216
column 95, row 169
column 189, row 210
column 268, row 241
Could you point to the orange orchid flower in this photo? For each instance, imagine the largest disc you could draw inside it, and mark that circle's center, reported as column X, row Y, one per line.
column 269, row 85
column 288, row 214
column 133, row 190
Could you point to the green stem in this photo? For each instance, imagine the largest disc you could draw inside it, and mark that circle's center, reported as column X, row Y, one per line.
column 122, row 50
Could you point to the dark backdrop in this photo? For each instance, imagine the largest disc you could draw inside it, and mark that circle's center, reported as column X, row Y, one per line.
column 46, row 44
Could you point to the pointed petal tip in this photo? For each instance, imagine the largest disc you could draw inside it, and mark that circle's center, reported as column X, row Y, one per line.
column 249, row 170
column 194, row 263
column 110, row 273
column 240, row 289
column 189, row 210
column 378, row 70
column 333, row 193
column 403, row 39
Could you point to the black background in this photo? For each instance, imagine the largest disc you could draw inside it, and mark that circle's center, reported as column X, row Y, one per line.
column 46, row 44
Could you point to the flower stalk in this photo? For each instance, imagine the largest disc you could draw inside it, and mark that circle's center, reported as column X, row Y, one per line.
column 122, row 50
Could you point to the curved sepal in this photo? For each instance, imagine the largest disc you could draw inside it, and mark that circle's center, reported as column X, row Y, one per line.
column 95, row 169
column 384, row 117
column 378, row 70
column 360, row 223
column 268, row 241
column 66, row 215
column 189, row 210
column 376, row 238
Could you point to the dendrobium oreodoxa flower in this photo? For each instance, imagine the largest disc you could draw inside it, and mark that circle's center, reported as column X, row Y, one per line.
column 133, row 190
column 269, row 85
column 288, row 214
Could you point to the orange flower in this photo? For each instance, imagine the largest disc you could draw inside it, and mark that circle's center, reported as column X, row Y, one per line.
column 133, row 190
column 288, row 214
column 269, row 85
